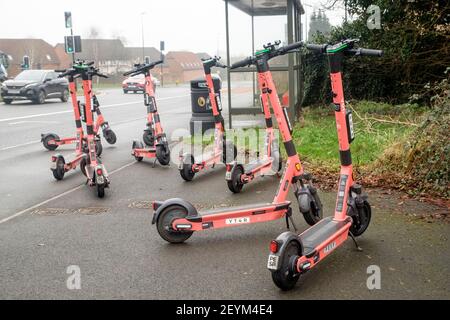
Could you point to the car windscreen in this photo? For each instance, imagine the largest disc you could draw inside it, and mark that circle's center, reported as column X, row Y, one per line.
column 31, row 75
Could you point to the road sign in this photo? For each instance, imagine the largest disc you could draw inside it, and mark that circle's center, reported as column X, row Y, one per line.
column 161, row 46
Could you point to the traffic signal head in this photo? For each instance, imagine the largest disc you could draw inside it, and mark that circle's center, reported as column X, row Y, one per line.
column 68, row 18
column 26, row 62
column 69, row 44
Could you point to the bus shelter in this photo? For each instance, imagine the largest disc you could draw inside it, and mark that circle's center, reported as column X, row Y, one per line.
column 289, row 66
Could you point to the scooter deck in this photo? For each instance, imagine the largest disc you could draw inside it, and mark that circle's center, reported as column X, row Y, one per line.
column 251, row 209
column 256, row 165
column 320, row 232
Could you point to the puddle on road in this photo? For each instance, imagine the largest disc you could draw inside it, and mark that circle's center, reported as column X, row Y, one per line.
column 64, row 211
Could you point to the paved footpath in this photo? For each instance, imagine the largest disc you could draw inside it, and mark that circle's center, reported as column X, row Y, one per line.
column 121, row 255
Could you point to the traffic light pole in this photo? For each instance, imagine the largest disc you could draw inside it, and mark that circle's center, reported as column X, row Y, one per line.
column 162, row 76
column 73, row 53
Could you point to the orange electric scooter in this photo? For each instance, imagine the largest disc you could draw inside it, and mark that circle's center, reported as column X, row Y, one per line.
column 154, row 137
column 86, row 153
column 291, row 254
column 176, row 219
column 52, row 141
column 224, row 151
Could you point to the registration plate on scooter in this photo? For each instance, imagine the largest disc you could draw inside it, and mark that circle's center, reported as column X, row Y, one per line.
column 272, row 262
column 228, row 175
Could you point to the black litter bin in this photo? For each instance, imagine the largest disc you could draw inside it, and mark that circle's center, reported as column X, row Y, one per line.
column 202, row 117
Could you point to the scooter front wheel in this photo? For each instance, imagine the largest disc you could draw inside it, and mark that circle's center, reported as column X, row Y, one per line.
column 163, row 154
column 286, row 276
column 186, row 171
column 164, row 224
column 235, row 184
column 361, row 220
column 58, row 172
column 98, row 147
column 47, row 139
column 148, row 137
column 110, row 136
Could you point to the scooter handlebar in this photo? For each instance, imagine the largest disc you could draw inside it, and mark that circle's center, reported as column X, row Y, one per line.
column 317, row 47
column 290, row 47
column 370, row 52
column 243, row 63
column 142, row 68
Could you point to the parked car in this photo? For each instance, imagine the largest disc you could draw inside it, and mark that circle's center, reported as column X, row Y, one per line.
column 136, row 84
column 35, row 85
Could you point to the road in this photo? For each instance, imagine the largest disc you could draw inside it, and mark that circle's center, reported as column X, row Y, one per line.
column 47, row 226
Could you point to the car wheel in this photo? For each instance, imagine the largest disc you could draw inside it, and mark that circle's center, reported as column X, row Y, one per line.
column 65, row 96
column 125, row 91
column 40, row 99
column 7, row 101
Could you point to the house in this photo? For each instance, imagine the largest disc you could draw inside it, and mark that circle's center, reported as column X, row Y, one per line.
column 42, row 55
column 182, row 66
column 135, row 54
column 203, row 55
column 110, row 55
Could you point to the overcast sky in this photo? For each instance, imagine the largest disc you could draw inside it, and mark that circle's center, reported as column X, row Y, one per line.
column 194, row 25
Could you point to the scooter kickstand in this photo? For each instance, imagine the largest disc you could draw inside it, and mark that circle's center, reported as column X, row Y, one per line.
column 289, row 218
column 154, row 163
column 355, row 242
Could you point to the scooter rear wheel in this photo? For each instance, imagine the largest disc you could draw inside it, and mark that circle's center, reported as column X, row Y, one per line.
column 362, row 219
column 229, row 150
column 163, row 154
column 100, row 190
column 186, row 172
column 138, row 145
column 110, row 136
column 164, row 224
column 235, row 184
column 47, row 139
column 58, row 172
column 286, row 277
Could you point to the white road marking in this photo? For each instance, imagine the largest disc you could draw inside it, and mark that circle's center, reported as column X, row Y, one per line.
column 68, row 111
column 58, row 196
column 20, row 145
column 104, row 107
column 28, row 121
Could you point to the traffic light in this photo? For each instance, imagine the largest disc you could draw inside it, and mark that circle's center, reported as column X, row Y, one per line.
column 25, row 63
column 77, row 43
column 69, row 44
column 68, row 18
column 72, row 44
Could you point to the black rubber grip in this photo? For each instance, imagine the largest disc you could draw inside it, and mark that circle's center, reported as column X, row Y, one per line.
column 316, row 47
column 243, row 63
column 371, row 52
column 291, row 46
column 129, row 72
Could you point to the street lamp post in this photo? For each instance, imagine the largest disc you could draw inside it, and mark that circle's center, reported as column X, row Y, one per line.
column 306, row 20
column 143, row 45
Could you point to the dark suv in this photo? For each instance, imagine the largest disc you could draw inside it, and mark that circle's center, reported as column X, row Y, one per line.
column 35, row 85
